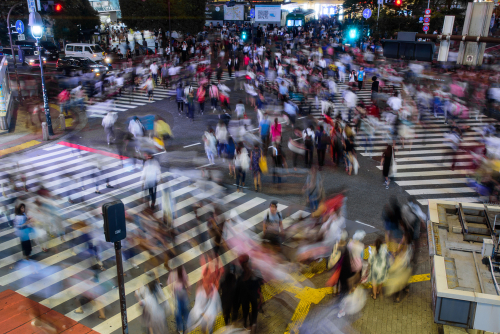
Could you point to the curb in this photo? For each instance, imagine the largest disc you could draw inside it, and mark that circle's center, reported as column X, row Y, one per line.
column 42, row 144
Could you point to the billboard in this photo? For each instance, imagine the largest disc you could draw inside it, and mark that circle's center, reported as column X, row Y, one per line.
column 236, row 13
column 215, row 13
column 267, row 13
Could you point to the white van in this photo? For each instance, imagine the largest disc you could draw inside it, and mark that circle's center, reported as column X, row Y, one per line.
column 84, row 50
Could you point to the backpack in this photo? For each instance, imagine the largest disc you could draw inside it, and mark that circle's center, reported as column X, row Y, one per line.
column 279, row 216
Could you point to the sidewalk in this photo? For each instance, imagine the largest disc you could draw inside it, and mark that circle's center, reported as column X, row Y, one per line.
column 412, row 315
column 26, row 131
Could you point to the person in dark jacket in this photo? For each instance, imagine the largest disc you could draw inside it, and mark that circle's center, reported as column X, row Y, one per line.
column 321, row 145
column 180, row 98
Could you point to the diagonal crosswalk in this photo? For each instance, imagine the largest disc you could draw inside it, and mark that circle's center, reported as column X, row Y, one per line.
column 53, row 278
column 136, row 98
column 424, row 164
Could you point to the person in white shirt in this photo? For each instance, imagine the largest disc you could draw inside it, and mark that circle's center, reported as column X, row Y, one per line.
column 351, row 101
column 108, row 122
column 395, row 102
column 151, row 176
column 154, row 72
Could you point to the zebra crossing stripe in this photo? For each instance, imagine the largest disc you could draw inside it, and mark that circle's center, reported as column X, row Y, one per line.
column 430, row 182
column 134, row 311
column 92, row 150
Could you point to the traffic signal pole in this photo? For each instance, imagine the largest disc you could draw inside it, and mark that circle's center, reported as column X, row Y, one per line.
column 20, row 95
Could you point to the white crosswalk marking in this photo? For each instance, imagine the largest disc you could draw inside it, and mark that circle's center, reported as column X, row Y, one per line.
column 424, row 166
column 132, row 99
column 50, row 277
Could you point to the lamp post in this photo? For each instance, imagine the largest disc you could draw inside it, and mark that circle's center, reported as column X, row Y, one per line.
column 37, row 31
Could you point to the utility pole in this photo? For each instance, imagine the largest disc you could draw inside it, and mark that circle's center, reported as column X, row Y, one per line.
column 20, row 95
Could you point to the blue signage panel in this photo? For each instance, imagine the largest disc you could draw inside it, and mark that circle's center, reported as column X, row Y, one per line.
column 19, row 27
column 367, row 13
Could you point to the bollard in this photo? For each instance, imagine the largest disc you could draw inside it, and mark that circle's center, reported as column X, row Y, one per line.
column 62, row 120
column 45, row 131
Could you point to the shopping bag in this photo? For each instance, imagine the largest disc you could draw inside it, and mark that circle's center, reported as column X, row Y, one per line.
column 394, row 167
column 335, row 278
column 158, row 142
column 263, row 165
column 334, row 258
column 355, row 165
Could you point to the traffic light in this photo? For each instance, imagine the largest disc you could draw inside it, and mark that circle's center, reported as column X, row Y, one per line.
column 244, row 35
column 353, row 33
column 398, row 2
column 58, row 7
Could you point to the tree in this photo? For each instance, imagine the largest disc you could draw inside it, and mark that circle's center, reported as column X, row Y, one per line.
column 187, row 16
column 75, row 16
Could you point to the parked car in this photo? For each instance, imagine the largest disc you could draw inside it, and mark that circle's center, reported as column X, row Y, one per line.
column 74, row 65
column 28, row 57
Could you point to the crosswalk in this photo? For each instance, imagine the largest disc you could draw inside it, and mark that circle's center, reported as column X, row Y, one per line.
column 54, row 278
column 424, row 165
column 136, row 98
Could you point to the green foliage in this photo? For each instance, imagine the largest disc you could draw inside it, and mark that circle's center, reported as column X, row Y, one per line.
column 187, row 16
column 73, row 13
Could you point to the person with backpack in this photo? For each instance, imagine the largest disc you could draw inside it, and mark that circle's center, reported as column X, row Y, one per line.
column 273, row 225
column 309, row 136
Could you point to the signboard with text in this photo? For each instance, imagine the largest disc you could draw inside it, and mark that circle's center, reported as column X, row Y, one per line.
column 267, row 13
column 214, row 13
column 236, row 13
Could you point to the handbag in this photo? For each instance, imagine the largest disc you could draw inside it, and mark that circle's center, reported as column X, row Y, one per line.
column 335, row 257
column 263, row 164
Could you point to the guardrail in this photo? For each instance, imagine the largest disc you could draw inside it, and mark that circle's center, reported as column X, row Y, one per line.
column 5, row 95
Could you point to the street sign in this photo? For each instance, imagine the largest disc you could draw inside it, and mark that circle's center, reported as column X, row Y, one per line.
column 252, row 13
column 425, row 28
column 427, row 20
column 420, row 18
column 427, row 11
column 426, row 24
column 470, row 58
column 427, row 16
column 380, row 2
column 1, row 48
column 367, row 13
column 20, row 26
column 20, row 37
column 31, row 6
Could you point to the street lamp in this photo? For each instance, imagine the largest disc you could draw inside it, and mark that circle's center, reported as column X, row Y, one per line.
column 36, row 24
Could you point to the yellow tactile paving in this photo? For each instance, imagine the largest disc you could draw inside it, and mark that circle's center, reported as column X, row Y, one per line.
column 19, row 147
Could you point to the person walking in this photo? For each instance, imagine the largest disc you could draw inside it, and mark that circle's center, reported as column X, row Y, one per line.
column 154, row 72
column 361, row 75
column 178, row 280
column 221, row 135
column 386, row 164
column 313, row 189
column 273, row 225
column 248, row 293
column 200, row 95
column 213, row 92
column 180, row 98
column 265, row 128
column 321, row 145
column 255, row 157
column 108, row 123
column 190, row 103
column 151, row 176
column 378, row 267
column 229, row 67
column 276, row 132
column 148, row 86
column 23, row 229
column 241, row 163
column 309, row 139
column 210, row 145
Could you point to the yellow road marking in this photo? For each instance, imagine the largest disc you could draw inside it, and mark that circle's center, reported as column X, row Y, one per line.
column 307, row 296
column 19, row 147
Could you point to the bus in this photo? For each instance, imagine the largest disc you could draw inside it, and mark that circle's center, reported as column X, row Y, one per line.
column 298, row 18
